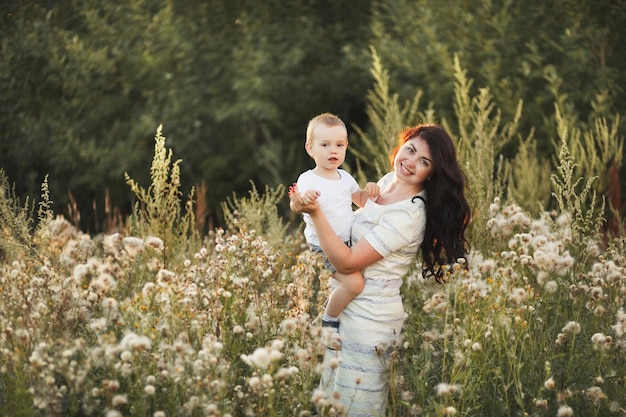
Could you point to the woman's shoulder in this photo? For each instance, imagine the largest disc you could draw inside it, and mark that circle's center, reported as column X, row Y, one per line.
column 385, row 179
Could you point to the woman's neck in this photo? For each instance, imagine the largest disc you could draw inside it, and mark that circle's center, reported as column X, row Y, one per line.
column 397, row 191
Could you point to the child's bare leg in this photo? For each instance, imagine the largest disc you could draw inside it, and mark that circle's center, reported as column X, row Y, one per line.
column 351, row 286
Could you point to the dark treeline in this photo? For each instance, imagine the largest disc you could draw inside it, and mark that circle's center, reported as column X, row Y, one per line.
column 84, row 85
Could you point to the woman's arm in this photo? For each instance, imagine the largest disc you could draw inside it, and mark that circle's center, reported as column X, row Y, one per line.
column 346, row 260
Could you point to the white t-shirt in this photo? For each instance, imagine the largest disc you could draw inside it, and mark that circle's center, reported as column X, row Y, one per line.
column 335, row 201
column 395, row 231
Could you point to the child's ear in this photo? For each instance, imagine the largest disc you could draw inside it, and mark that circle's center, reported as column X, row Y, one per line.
column 309, row 149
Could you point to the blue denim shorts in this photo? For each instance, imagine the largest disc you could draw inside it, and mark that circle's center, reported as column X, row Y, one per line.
column 327, row 264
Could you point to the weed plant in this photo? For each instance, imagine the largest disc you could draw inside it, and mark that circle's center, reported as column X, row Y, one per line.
column 158, row 321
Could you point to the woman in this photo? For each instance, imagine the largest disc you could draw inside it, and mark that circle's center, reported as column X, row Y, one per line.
column 421, row 204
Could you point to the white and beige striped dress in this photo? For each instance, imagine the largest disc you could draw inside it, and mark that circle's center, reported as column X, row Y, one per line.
column 374, row 319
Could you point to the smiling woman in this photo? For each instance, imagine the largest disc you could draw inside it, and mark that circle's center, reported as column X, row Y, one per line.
column 386, row 235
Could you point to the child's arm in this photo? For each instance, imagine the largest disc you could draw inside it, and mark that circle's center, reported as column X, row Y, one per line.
column 371, row 190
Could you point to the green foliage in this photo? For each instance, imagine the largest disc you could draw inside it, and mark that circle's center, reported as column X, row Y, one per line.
column 482, row 137
column 595, row 149
column 532, row 192
column 258, row 213
column 387, row 118
column 158, row 211
column 85, row 83
column 577, row 199
column 15, row 223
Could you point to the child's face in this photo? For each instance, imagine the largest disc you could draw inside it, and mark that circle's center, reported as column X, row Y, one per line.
column 328, row 147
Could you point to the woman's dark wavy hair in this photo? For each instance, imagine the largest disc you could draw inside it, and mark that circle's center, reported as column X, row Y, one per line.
column 447, row 210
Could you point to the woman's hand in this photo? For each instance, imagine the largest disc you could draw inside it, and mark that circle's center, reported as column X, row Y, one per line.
column 303, row 203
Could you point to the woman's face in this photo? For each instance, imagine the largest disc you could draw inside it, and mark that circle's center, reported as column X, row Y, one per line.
column 413, row 163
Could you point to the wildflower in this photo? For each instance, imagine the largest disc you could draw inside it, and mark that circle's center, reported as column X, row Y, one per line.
column 477, row 347
column 601, row 341
column 446, row 389
column 111, row 242
column 539, row 241
column 571, row 327
column 487, row 266
column 159, row 414
column 595, row 394
column 113, row 413
column 118, row 400
column 275, row 355
column 103, row 283
column 148, row 288
column 133, row 246
column 133, row 341
column 282, row 373
column 98, row 325
column 448, row 411
column 518, row 296
column 109, row 303
column 254, row 382
column 81, row 272
column 565, row 411
column 599, row 311
column 164, row 277
column 334, row 363
column 289, row 325
column 437, row 303
column 278, row 344
column 541, row 403
column 259, row 358
column 319, row 398
column 549, row 384
column 149, row 389
column 155, row 243
column 596, row 293
column 561, row 339
column 551, row 286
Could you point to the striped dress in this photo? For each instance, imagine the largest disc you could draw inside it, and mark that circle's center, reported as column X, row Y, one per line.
column 374, row 319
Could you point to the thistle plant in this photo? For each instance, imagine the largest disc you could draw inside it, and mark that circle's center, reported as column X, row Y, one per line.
column 525, row 330
column 227, row 331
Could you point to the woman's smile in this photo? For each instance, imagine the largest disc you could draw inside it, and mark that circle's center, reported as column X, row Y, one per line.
column 405, row 170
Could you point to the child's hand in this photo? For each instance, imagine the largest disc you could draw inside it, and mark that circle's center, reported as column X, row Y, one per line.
column 372, row 189
column 303, row 203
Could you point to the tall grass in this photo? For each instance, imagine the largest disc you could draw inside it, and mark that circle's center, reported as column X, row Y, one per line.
column 159, row 321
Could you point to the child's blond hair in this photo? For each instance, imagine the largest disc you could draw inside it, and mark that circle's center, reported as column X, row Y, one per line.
column 327, row 119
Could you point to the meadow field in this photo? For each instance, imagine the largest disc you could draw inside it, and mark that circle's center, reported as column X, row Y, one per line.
column 155, row 319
